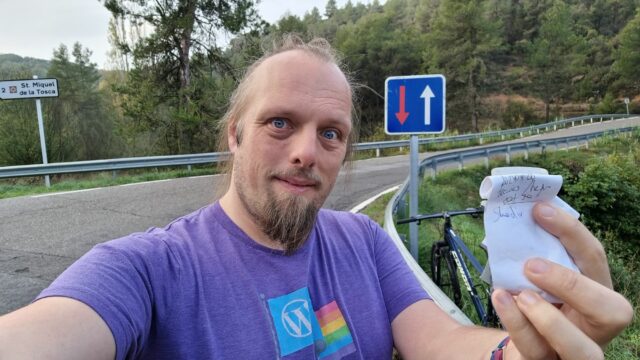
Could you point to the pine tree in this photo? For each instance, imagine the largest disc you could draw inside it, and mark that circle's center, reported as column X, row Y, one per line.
column 461, row 40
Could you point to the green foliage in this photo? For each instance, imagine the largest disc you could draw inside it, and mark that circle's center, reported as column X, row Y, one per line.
column 377, row 44
column 608, row 105
column 517, row 114
column 175, row 66
column 78, row 125
column 628, row 54
column 556, row 55
column 11, row 65
column 607, row 193
column 459, row 44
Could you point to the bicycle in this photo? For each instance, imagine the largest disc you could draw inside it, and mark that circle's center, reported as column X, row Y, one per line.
column 449, row 258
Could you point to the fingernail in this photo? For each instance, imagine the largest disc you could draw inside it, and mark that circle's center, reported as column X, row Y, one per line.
column 504, row 298
column 546, row 210
column 527, row 298
column 537, row 266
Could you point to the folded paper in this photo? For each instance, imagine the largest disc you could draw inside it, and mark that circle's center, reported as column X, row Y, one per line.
column 511, row 234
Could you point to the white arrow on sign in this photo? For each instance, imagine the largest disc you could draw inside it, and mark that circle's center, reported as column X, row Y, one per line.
column 427, row 95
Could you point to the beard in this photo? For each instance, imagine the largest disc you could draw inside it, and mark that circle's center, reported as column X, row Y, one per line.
column 286, row 219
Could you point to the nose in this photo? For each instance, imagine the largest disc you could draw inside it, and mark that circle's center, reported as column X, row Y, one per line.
column 304, row 148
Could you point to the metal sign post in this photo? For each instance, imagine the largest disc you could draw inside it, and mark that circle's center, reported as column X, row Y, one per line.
column 413, row 195
column 414, row 105
column 626, row 102
column 29, row 89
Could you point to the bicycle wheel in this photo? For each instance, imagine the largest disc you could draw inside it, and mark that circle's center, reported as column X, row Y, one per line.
column 443, row 272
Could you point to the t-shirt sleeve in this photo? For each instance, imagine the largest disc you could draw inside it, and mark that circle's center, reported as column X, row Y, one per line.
column 400, row 287
column 116, row 280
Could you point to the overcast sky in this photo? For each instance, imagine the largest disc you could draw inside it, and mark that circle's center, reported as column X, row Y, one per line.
column 35, row 27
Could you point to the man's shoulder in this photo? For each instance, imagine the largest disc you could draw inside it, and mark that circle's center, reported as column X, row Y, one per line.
column 181, row 232
column 348, row 225
column 343, row 217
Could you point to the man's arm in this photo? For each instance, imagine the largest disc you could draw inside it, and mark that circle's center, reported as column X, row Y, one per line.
column 591, row 316
column 424, row 331
column 55, row 328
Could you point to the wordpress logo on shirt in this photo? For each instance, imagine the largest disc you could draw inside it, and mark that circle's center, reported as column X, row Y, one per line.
column 296, row 318
column 295, row 321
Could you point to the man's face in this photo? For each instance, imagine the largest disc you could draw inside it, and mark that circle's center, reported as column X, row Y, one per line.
column 292, row 145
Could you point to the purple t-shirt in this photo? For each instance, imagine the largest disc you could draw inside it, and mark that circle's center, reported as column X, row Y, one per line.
column 202, row 289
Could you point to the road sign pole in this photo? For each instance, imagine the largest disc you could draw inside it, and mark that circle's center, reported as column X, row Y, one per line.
column 413, row 196
column 43, row 144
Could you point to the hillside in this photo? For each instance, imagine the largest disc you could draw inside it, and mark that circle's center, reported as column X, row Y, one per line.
column 14, row 66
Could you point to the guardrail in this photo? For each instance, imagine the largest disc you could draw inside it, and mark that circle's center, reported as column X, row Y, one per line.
column 207, row 158
column 458, row 156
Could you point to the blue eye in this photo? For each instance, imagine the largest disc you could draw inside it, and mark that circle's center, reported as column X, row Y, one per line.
column 279, row 123
column 330, row 134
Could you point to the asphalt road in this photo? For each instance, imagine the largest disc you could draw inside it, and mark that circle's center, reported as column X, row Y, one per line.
column 42, row 235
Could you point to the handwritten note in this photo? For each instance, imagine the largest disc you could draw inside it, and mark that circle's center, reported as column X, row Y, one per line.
column 511, row 234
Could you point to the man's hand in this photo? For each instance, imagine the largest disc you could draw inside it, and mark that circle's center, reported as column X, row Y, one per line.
column 592, row 313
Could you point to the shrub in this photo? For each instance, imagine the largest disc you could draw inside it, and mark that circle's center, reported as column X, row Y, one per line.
column 607, row 193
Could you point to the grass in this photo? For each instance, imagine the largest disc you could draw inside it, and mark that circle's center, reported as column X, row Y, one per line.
column 458, row 190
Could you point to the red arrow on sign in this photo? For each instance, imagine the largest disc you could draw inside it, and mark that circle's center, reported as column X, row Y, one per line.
column 402, row 115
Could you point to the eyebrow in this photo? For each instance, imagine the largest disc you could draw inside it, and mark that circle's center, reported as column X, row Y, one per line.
column 272, row 111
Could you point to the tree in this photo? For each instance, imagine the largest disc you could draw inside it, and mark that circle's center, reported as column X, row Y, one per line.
column 377, row 46
column 183, row 27
column 556, row 56
column 627, row 56
column 160, row 96
column 459, row 45
column 330, row 9
column 78, row 124
column 19, row 144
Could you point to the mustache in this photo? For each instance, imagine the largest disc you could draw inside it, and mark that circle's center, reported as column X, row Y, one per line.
column 303, row 174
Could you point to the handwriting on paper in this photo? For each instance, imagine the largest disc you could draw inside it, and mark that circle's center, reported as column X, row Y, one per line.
column 521, row 188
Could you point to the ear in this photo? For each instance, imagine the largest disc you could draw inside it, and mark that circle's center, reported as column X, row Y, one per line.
column 232, row 137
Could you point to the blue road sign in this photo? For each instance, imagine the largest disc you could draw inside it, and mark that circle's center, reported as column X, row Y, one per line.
column 414, row 104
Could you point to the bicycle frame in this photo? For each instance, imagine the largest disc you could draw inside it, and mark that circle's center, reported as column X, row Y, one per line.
column 459, row 252
column 458, row 249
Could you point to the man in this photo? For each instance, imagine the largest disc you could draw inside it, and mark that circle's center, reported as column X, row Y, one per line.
column 263, row 273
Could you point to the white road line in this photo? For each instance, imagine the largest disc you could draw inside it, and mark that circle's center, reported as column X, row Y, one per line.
column 365, row 203
column 130, row 184
column 64, row 192
column 146, row 182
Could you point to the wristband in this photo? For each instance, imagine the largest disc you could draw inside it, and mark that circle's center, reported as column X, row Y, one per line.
column 498, row 352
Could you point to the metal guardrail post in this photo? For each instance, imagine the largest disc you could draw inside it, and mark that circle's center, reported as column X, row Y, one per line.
column 486, row 159
column 526, row 151
column 460, row 162
column 508, row 156
column 378, row 152
column 434, row 168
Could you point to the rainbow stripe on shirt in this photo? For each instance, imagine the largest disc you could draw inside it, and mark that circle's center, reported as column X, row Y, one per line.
column 337, row 337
